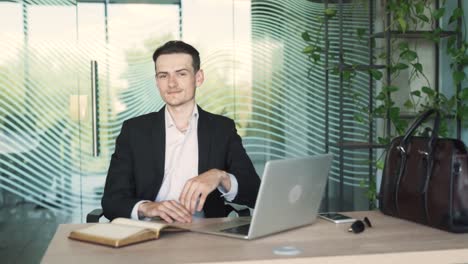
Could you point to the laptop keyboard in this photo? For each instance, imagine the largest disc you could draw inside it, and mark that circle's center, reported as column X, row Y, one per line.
column 241, row 230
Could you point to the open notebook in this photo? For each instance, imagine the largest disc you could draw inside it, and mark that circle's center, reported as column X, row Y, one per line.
column 122, row 231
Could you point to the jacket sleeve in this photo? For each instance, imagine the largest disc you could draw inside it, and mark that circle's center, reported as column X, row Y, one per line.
column 119, row 191
column 239, row 164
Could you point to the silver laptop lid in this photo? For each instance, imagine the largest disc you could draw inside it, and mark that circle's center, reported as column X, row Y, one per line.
column 290, row 194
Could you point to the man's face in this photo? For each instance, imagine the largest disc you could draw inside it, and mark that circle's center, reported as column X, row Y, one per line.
column 176, row 78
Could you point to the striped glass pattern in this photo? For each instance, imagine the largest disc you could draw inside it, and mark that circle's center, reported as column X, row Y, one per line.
column 289, row 114
column 255, row 73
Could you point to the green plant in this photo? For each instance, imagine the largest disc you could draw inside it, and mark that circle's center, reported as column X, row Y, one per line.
column 413, row 15
column 406, row 16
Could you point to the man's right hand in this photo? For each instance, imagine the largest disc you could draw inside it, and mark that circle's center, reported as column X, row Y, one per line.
column 170, row 211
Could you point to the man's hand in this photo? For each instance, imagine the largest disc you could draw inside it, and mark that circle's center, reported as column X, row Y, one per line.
column 198, row 188
column 170, row 211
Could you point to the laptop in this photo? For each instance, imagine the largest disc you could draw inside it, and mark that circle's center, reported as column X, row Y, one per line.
column 290, row 194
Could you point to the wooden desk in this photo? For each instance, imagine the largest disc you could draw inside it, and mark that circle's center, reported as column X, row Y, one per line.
column 391, row 240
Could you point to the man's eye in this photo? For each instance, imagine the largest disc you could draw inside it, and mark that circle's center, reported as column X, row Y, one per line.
column 182, row 73
column 162, row 76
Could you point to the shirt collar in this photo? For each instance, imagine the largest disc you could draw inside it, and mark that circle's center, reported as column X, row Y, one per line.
column 170, row 122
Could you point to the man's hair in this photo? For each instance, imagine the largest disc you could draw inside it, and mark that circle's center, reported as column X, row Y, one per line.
column 177, row 46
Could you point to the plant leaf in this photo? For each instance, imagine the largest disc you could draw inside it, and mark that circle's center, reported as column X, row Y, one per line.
column 416, row 93
column 358, row 118
column 418, row 66
column 347, row 75
column 458, row 76
column 380, row 165
column 423, row 18
column 427, row 90
column 394, row 113
column 456, row 14
column 400, row 126
column 452, row 103
column 390, row 88
column 464, row 94
column 382, row 140
column 463, row 113
column 452, row 40
column 403, row 24
column 381, row 96
column 403, row 46
column 305, row 36
column 360, row 32
column 376, row 74
column 308, row 49
column 335, row 70
column 408, row 104
column 419, row 7
column 380, row 111
column 329, row 12
column 438, row 13
column 463, row 61
column 401, row 66
column 409, row 55
column 315, row 57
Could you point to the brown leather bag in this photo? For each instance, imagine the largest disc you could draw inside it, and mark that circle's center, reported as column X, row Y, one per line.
column 425, row 179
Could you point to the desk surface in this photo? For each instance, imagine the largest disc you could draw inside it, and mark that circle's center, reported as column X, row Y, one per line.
column 388, row 241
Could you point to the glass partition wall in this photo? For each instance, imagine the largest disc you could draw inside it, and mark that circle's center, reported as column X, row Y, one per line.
column 72, row 72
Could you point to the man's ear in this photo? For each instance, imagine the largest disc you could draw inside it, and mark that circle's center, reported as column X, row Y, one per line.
column 199, row 78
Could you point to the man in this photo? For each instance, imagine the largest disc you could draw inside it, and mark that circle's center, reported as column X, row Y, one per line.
column 180, row 161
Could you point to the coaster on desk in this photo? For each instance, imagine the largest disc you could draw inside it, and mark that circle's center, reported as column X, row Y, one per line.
column 287, row 251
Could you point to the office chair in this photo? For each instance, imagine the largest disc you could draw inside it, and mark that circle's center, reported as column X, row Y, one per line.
column 96, row 214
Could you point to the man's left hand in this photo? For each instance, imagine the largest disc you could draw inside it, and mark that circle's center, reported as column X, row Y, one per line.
column 199, row 187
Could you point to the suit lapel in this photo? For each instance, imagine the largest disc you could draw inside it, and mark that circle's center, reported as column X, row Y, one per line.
column 204, row 141
column 158, row 136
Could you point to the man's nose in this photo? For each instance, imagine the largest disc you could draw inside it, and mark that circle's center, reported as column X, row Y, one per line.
column 172, row 80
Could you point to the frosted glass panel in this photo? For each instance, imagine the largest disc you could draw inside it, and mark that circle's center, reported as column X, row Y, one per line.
column 36, row 133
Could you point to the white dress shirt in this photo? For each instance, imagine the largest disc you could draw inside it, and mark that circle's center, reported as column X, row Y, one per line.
column 181, row 163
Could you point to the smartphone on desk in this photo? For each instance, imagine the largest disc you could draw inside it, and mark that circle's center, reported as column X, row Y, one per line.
column 336, row 218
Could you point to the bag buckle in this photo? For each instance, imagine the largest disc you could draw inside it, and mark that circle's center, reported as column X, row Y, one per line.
column 423, row 152
column 401, row 149
column 457, row 167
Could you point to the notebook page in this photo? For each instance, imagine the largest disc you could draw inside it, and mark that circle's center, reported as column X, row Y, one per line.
column 111, row 231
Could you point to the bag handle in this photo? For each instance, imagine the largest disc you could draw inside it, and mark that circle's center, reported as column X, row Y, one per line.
column 430, row 148
column 418, row 122
column 429, row 154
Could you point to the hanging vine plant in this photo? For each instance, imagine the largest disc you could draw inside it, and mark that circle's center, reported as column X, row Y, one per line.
column 407, row 16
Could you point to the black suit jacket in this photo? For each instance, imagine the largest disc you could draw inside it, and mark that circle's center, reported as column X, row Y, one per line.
column 137, row 166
